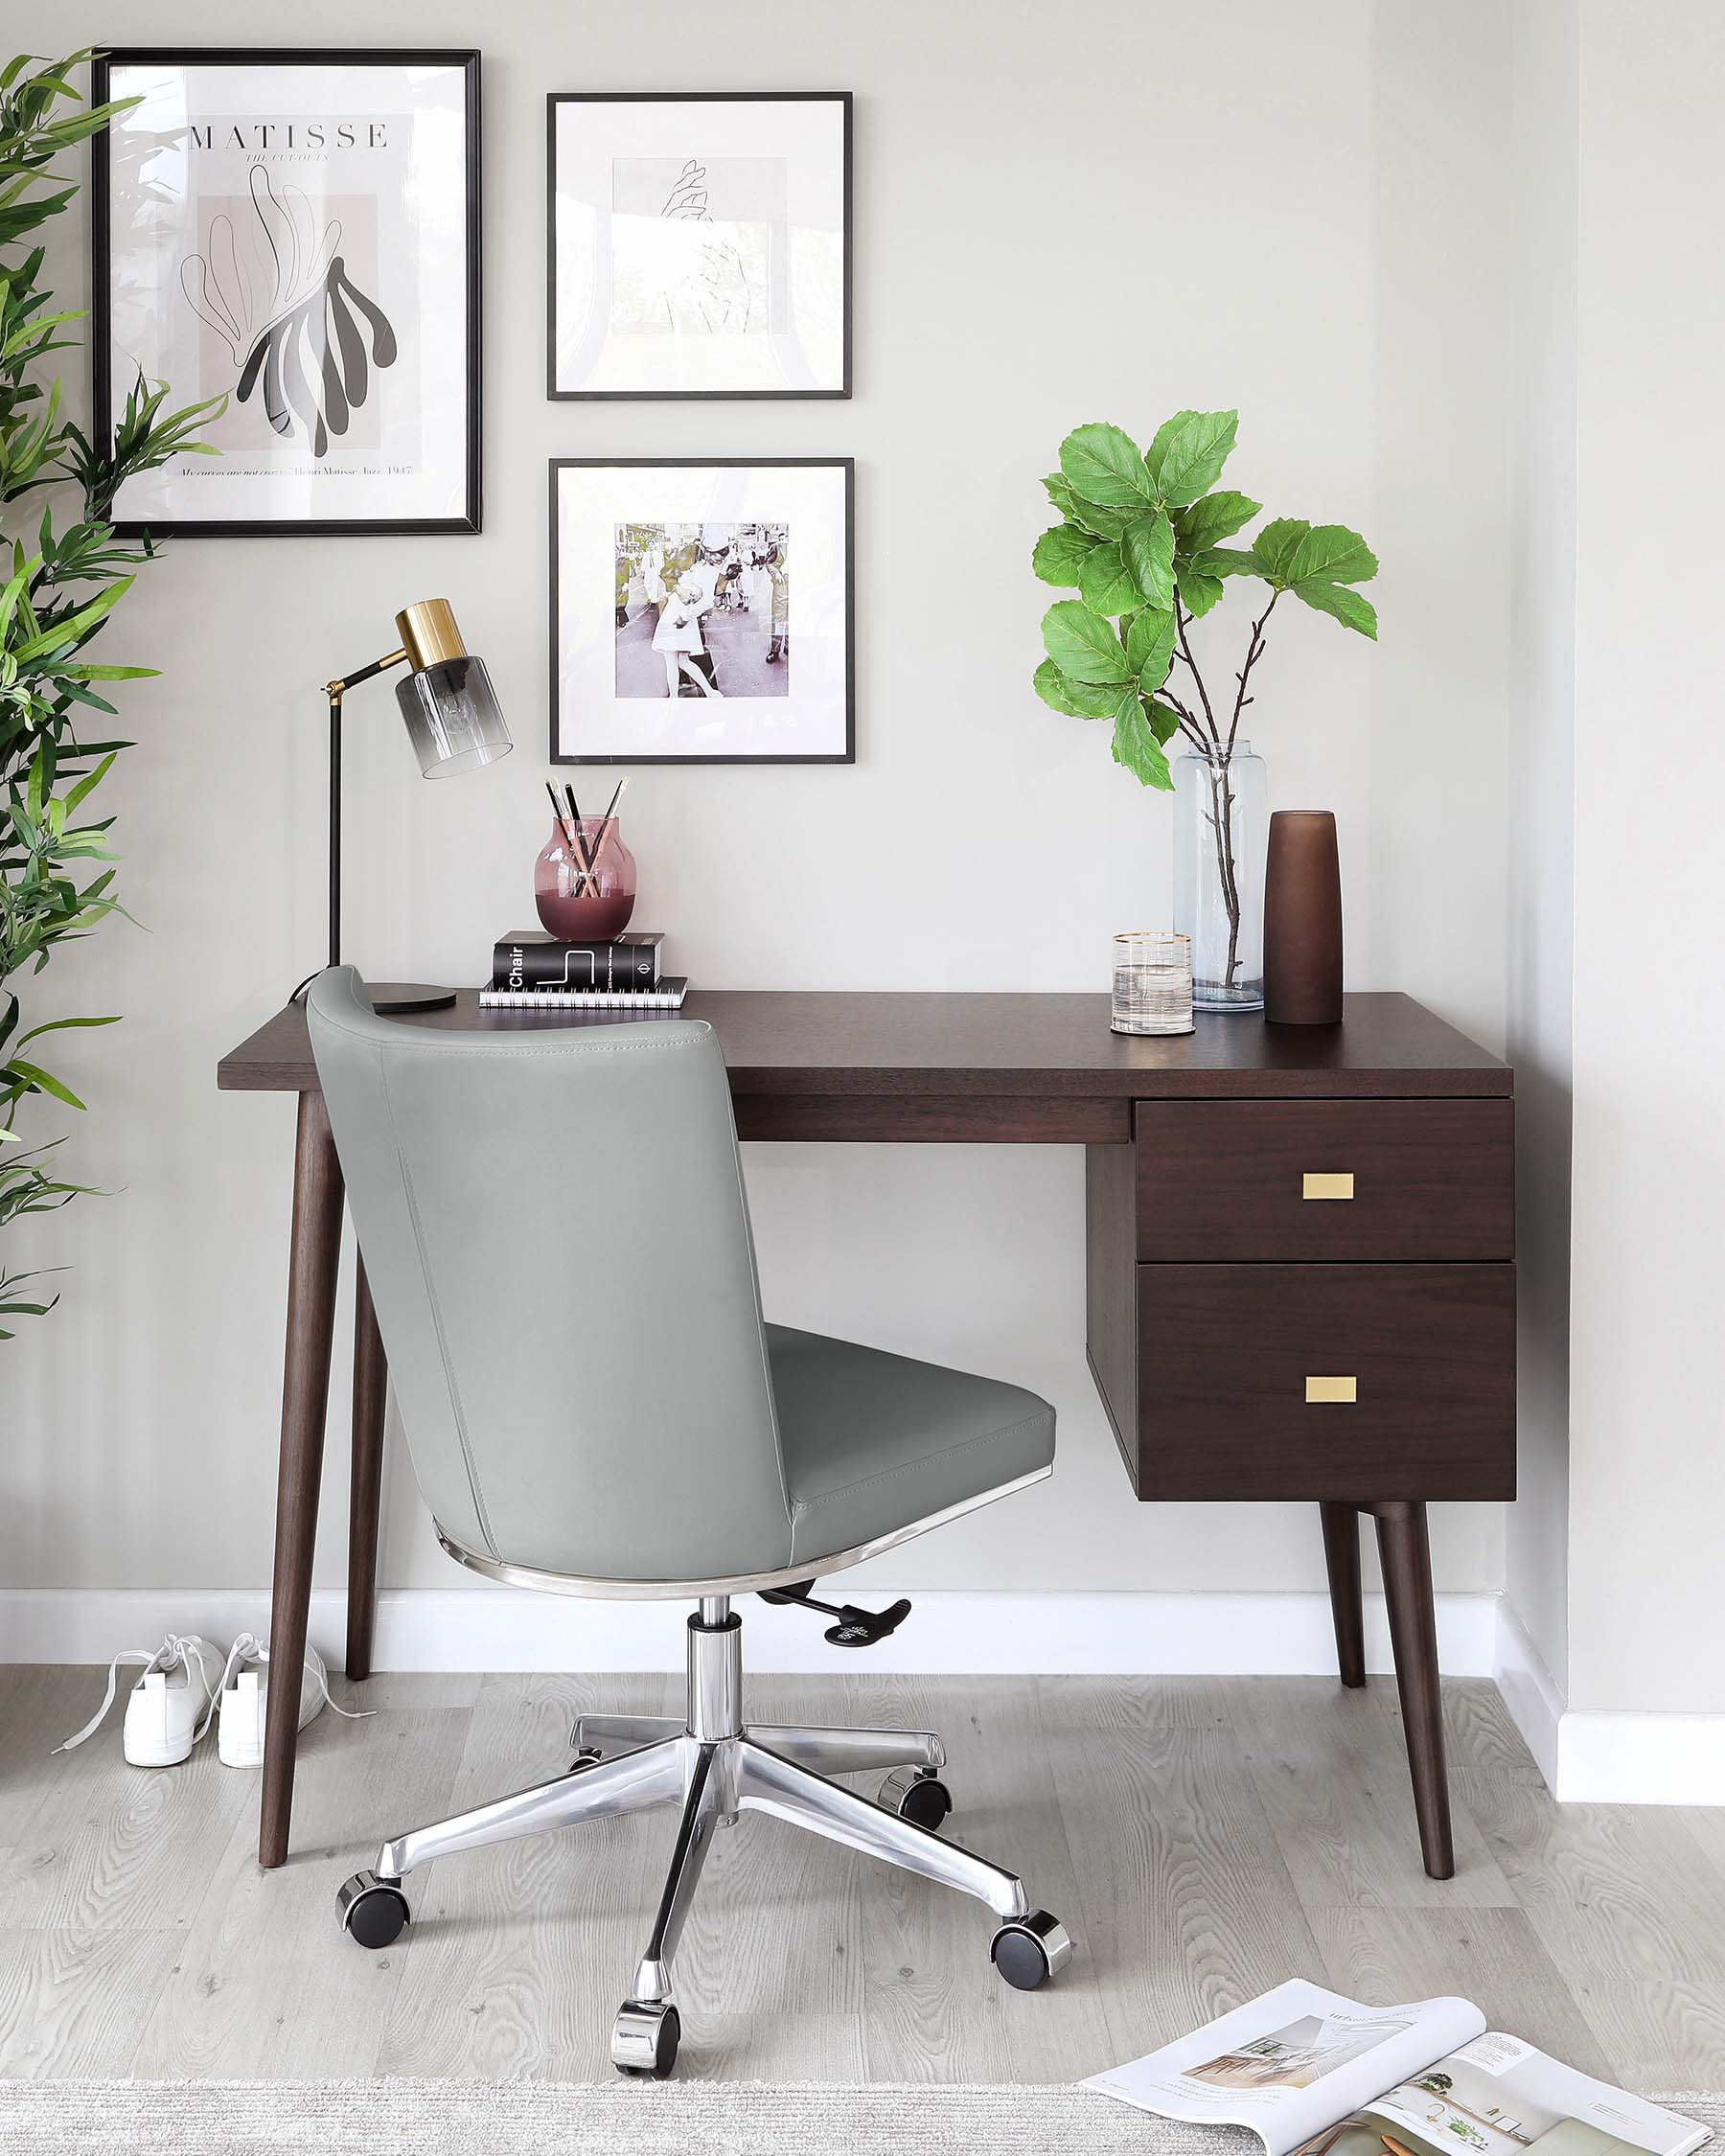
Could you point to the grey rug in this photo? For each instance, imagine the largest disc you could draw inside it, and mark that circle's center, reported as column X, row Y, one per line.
column 538, row 2118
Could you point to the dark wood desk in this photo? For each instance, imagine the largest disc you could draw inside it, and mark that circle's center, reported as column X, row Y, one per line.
column 1299, row 1268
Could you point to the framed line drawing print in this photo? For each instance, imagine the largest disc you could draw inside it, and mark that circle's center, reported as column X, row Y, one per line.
column 699, row 245
column 702, row 610
column 298, row 230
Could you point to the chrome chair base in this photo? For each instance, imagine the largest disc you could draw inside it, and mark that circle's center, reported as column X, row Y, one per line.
column 713, row 1767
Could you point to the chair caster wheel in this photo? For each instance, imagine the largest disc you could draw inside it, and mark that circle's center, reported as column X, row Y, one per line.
column 1030, row 1949
column 917, row 1794
column 644, row 2038
column 373, row 1911
column 589, row 1755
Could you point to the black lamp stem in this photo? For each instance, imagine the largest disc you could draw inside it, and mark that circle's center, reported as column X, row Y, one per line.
column 336, row 827
column 336, row 690
column 398, row 995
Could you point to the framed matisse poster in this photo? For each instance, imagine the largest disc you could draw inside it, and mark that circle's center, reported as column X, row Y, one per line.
column 699, row 245
column 701, row 611
column 298, row 231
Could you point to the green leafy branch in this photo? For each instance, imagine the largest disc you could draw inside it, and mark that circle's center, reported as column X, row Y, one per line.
column 58, row 589
column 42, row 906
column 1140, row 540
column 27, row 1187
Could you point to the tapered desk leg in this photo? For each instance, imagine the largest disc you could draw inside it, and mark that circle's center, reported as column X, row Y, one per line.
column 317, row 1196
column 1407, row 1560
column 371, row 1384
column 1341, row 1558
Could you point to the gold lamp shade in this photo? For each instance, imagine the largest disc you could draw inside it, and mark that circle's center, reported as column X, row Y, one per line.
column 428, row 633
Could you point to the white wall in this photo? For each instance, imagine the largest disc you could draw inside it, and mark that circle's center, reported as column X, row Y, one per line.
column 1539, row 830
column 1296, row 209
column 1647, row 1465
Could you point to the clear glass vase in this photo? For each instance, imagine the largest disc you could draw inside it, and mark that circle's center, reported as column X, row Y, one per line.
column 1219, row 831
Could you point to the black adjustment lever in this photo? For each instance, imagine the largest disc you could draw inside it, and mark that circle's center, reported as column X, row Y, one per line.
column 854, row 1628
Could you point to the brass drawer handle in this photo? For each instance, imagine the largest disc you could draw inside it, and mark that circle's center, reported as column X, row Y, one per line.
column 1331, row 1388
column 1327, row 1186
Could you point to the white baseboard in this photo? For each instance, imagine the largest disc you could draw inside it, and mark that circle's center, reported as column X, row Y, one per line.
column 1636, row 1758
column 1586, row 1757
column 1528, row 1689
column 950, row 1633
column 1589, row 1756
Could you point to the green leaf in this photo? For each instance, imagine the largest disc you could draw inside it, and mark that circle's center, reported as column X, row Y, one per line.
column 1081, row 644
column 1187, row 457
column 88, row 785
column 1315, row 564
column 1102, row 523
column 1137, row 747
column 1198, row 592
column 1162, row 719
column 1147, row 548
column 1108, row 586
column 59, row 634
column 42, row 1081
column 1213, row 518
column 1059, row 554
column 1102, row 464
column 1078, row 699
column 1227, row 562
column 60, row 1025
column 1150, row 647
column 1347, row 606
column 1052, row 687
column 1331, row 554
column 1105, row 523
column 1274, row 548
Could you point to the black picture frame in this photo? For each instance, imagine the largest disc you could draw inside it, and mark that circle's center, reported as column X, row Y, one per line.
column 844, row 99
column 845, row 465
column 101, row 276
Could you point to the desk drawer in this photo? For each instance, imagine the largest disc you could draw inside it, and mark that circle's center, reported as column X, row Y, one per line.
column 1252, row 1181
column 1325, row 1381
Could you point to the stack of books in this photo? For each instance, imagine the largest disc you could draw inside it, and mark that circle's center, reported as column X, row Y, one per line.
column 532, row 971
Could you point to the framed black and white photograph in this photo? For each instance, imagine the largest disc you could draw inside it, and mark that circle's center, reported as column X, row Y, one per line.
column 699, row 245
column 298, row 231
column 701, row 612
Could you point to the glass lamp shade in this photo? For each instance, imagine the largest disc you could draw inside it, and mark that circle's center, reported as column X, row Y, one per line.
column 453, row 718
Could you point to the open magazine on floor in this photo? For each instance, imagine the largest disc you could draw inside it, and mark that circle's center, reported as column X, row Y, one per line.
column 1313, row 2074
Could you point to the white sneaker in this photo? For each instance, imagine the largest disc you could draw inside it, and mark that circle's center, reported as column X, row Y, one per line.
column 244, row 1690
column 170, row 1704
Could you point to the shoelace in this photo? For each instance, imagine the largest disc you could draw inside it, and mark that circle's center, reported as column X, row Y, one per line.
column 176, row 1648
column 249, row 1648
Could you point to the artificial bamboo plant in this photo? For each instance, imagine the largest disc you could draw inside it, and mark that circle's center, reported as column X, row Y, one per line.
column 58, row 587
column 1140, row 540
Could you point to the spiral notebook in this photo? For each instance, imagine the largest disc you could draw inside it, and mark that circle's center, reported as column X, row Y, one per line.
column 666, row 996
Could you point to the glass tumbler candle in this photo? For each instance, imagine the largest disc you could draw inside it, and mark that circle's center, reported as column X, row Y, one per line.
column 1152, row 982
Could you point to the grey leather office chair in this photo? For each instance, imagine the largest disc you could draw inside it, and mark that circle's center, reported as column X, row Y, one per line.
column 557, row 1239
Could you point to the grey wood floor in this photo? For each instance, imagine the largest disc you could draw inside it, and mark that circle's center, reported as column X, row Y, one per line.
column 1203, row 1839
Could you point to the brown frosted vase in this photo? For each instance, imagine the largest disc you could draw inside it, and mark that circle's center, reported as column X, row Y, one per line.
column 1302, row 920
column 574, row 905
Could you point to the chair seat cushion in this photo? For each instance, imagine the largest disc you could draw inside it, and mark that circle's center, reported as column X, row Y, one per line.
column 873, row 1443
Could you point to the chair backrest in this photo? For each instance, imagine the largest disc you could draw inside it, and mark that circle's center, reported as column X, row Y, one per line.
column 556, row 1237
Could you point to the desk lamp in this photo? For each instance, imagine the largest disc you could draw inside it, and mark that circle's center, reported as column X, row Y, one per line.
column 454, row 724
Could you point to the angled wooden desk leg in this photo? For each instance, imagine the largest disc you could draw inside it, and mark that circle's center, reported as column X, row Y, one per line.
column 1342, row 1559
column 371, row 1386
column 311, row 1265
column 1407, row 1560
